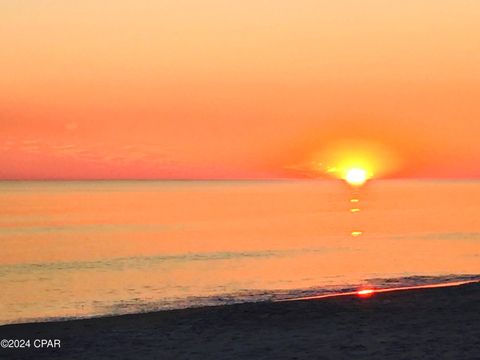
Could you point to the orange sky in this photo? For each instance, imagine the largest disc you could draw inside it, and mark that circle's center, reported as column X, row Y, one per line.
column 236, row 89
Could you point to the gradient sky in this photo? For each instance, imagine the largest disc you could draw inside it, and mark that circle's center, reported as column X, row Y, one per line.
column 236, row 89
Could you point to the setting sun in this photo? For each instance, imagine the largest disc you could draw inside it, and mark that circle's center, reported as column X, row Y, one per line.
column 353, row 160
column 356, row 176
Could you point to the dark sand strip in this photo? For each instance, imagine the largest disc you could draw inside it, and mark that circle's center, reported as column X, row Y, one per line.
column 432, row 323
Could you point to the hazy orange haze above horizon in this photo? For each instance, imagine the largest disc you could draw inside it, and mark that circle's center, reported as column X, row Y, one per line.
column 235, row 89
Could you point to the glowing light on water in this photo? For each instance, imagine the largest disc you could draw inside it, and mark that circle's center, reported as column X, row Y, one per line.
column 365, row 292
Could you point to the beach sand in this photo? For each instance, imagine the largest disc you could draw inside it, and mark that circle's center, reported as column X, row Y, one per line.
column 437, row 323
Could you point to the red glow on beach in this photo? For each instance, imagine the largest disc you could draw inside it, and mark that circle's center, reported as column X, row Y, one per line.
column 370, row 292
column 365, row 292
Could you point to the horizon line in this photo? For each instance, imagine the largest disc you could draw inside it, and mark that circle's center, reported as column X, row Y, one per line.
column 420, row 178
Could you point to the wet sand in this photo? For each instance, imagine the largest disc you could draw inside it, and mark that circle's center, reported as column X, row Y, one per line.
column 435, row 323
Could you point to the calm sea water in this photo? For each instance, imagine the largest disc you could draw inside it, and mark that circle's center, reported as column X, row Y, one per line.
column 77, row 249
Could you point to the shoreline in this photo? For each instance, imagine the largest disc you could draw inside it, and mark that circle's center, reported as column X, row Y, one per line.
column 431, row 323
column 372, row 291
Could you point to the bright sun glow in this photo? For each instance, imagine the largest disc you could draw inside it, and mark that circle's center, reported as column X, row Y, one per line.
column 355, row 161
column 356, row 177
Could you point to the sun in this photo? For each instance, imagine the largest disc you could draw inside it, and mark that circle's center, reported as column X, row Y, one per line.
column 356, row 176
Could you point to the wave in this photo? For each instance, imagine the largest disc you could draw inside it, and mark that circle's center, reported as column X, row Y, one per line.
column 145, row 261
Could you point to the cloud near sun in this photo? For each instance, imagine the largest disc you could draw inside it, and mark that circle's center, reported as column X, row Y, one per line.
column 351, row 160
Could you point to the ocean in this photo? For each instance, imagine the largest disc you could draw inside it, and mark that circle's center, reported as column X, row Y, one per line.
column 74, row 249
